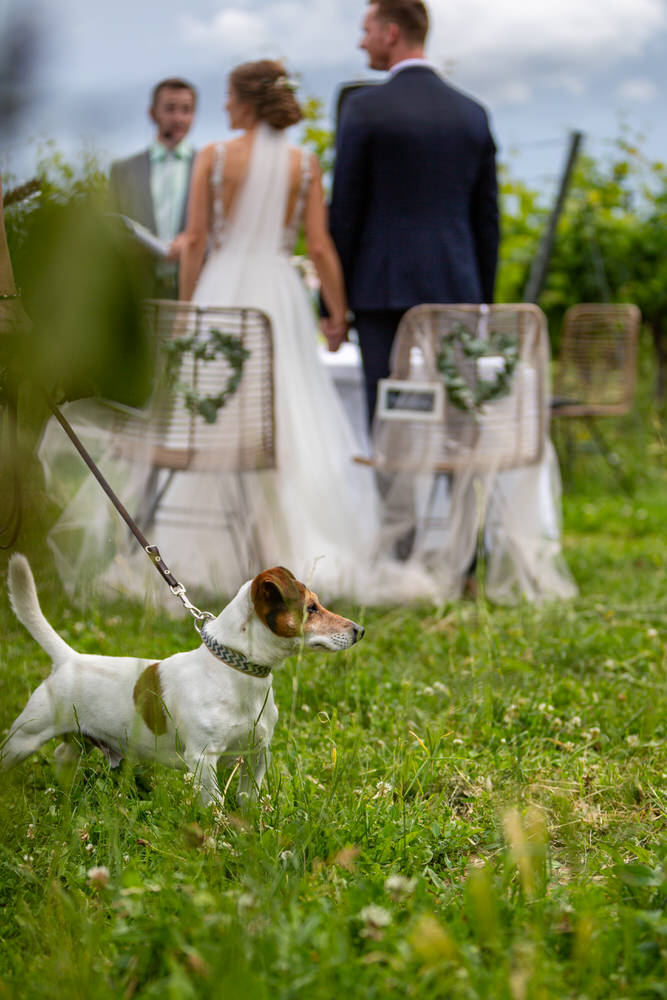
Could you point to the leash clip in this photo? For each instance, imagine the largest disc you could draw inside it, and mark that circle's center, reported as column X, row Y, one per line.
column 177, row 589
column 200, row 617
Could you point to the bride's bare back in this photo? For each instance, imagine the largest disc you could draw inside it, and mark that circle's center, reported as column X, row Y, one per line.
column 236, row 164
column 237, row 161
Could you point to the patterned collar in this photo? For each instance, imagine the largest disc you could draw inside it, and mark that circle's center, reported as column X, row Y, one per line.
column 232, row 658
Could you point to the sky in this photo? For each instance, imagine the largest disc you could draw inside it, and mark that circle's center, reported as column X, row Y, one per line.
column 541, row 68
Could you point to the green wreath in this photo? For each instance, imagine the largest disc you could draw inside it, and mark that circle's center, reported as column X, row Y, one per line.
column 218, row 344
column 471, row 396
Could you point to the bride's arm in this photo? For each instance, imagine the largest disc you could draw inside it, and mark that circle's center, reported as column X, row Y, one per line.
column 196, row 230
column 322, row 251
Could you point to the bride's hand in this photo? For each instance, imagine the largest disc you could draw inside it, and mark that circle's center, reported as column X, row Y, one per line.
column 177, row 246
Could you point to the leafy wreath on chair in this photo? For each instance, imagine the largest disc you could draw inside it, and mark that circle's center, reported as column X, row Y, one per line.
column 463, row 395
column 218, row 344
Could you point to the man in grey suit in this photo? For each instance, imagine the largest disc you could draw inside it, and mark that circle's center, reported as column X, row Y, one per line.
column 151, row 188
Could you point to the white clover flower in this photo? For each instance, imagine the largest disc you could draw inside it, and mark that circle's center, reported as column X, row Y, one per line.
column 575, row 721
column 188, row 777
column 428, row 690
column 383, row 788
column 375, row 916
column 652, row 633
column 399, row 886
column 98, row 876
column 245, row 901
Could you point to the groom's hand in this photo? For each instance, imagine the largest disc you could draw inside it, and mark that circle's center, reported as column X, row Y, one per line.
column 335, row 332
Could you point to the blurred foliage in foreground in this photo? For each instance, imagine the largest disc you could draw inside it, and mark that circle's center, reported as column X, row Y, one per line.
column 82, row 283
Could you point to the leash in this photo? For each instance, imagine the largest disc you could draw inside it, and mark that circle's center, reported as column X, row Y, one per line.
column 177, row 588
column 230, row 657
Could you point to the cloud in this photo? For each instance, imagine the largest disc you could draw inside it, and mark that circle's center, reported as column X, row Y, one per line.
column 504, row 49
column 637, row 89
column 498, row 45
column 308, row 34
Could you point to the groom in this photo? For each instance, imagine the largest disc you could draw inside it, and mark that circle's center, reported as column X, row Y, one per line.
column 414, row 212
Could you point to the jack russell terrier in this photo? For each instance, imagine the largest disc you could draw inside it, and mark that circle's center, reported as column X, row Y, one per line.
column 189, row 710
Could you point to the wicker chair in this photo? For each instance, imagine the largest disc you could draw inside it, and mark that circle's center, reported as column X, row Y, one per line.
column 173, row 437
column 597, row 372
column 507, row 433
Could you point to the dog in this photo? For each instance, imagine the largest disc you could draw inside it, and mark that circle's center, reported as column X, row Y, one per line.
column 189, row 711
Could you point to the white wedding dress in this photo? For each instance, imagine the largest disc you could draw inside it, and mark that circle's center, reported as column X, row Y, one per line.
column 317, row 512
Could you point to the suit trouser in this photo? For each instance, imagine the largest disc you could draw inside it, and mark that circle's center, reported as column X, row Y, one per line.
column 376, row 330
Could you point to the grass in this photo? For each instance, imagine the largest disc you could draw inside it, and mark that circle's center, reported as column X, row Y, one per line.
column 469, row 804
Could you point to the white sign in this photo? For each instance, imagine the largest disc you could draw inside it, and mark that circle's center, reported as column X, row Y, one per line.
column 400, row 399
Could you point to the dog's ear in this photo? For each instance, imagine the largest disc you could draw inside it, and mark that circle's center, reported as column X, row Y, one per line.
column 278, row 599
column 274, row 586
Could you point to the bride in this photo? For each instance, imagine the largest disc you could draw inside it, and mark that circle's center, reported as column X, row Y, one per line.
column 316, row 512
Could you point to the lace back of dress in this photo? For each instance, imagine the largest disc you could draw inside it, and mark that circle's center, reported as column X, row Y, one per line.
column 255, row 224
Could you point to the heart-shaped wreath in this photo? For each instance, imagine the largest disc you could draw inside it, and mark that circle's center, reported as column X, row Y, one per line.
column 218, row 344
column 470, row 396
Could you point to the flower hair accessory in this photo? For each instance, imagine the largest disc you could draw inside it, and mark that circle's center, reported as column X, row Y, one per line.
column 285, row 83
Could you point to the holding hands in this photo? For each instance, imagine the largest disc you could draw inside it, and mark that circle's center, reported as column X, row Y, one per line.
column 335, row 331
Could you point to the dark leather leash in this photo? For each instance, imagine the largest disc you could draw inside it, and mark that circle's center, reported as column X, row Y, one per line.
column 177, row 588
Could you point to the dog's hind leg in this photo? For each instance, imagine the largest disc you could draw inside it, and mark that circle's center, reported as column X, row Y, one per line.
column 36, row 724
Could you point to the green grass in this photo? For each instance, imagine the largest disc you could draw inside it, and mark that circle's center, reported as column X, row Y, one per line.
column 468, row 804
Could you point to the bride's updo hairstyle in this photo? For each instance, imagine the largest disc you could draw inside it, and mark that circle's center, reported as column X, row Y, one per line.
column 265, row 86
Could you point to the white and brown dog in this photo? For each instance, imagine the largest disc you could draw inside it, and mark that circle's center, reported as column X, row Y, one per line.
column 190, row 710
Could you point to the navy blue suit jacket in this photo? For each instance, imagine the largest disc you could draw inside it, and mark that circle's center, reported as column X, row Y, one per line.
column 414, row 210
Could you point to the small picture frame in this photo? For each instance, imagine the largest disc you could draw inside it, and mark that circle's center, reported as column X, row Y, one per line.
column 400, row 399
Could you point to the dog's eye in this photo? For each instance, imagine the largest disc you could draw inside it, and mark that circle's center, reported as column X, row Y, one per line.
column 312, row 608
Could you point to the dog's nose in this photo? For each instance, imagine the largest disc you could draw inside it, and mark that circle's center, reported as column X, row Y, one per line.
column 358, row 632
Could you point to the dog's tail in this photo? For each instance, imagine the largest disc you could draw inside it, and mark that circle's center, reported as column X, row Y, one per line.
column 24, row 601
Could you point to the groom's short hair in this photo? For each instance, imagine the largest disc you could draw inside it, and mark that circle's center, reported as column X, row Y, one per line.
column 411, row 16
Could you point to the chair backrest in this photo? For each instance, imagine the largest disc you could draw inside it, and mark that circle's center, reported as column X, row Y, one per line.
column 505, row 432
column 597, row 371
column 170, row 433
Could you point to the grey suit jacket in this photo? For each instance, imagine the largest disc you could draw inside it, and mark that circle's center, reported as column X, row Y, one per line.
column 130, row 190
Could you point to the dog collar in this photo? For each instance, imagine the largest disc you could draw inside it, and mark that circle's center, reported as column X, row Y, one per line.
column 232, row 657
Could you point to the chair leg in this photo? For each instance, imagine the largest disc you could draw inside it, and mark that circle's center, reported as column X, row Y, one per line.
column 153, row 497
column 565, row 448
column 247, row 548
column 608, row 456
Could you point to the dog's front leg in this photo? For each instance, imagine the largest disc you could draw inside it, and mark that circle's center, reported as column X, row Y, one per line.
column 204, row 768
column 252, row 774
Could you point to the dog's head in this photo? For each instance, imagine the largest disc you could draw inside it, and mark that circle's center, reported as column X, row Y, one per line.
column 289, row 610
